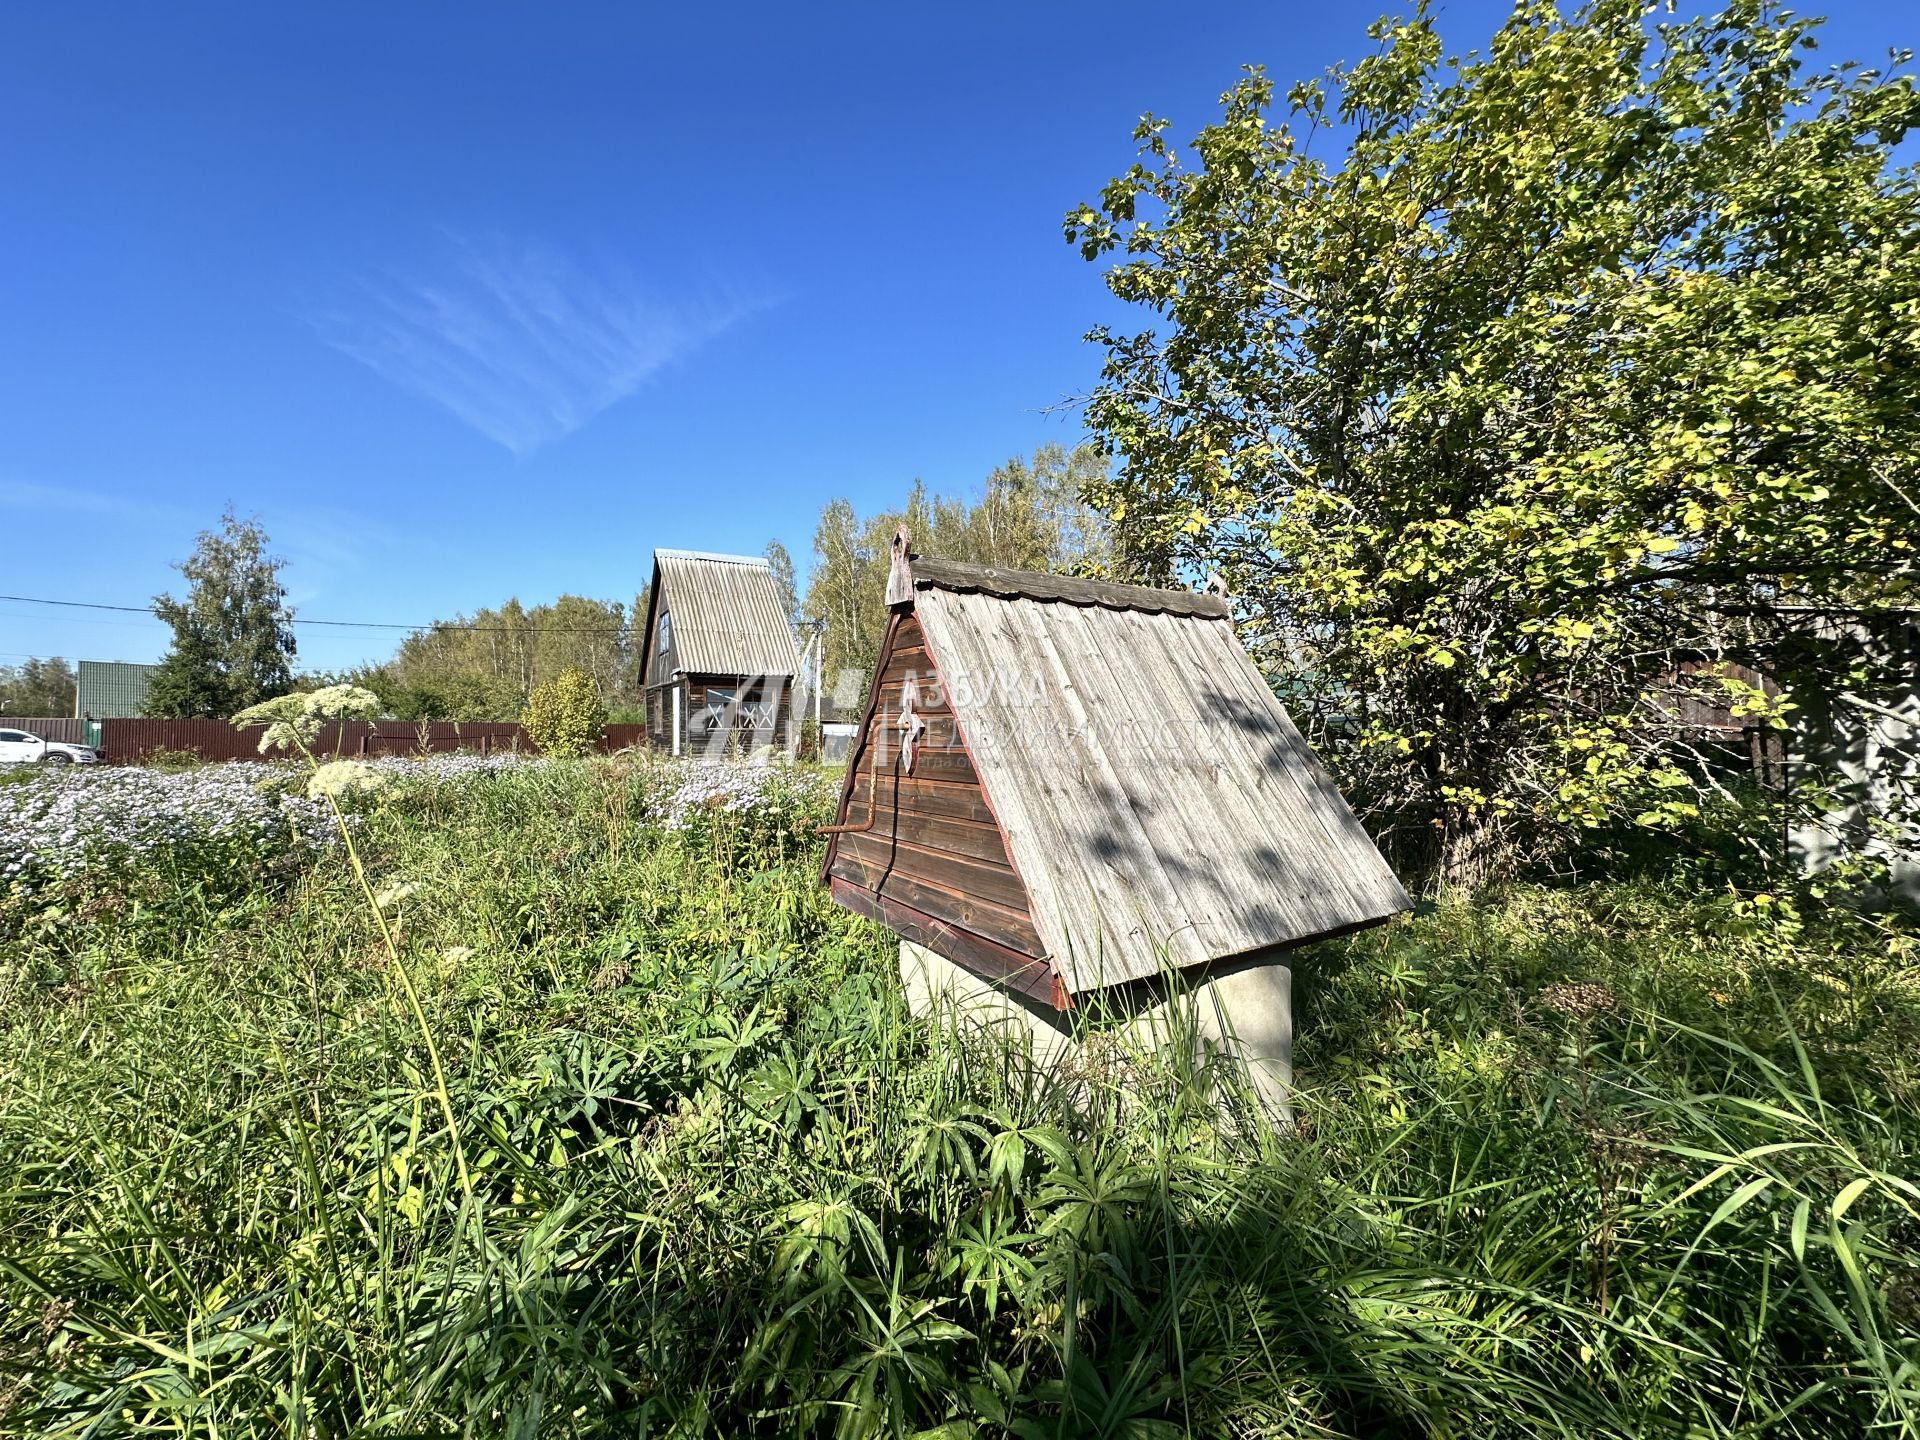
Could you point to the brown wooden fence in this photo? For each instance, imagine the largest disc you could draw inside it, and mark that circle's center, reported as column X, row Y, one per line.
column 128, row 742
column 63, row 728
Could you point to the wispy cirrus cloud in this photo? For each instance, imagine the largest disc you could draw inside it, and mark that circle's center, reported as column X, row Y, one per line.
column 523, row 344
column 62, row 499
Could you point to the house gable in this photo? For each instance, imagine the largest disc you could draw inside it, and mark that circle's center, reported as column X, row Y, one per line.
column 915, row 843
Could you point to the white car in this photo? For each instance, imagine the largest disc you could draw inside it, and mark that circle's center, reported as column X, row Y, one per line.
column 23, row 747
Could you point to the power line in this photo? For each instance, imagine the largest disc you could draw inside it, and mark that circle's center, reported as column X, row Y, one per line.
column 348, row 624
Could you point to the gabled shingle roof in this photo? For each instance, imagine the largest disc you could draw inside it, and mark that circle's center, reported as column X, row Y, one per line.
column 727, row 615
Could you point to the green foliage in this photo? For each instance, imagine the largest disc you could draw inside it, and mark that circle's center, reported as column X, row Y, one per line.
column 446, row 697
column 172, row 762
column 1029, row 516
column 564, row 717
column 38, row 687
column 484, row 666
column 232, row 635
column 1586, row 354
column 780, row 566
column 1617, row 1161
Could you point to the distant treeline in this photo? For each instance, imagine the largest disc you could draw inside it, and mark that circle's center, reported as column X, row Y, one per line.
column 482, row 666
column 1028, row 516
column 37, row 687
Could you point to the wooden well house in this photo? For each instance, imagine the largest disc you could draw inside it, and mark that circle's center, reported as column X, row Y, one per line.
column 1066, row 786
column 720, row 658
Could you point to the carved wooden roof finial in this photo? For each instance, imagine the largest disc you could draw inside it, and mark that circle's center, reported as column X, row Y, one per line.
column 900, row 569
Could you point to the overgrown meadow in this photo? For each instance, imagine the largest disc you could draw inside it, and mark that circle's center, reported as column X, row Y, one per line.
column 576, row 1108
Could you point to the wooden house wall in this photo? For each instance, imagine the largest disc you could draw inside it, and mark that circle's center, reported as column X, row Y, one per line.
column 934, row 865
column 660, row 663
column 694, row 740
column 660, row 715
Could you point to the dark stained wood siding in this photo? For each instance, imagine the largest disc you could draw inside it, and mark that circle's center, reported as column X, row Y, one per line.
column 934, row 864
column 661, row 664
column 660, row 715
column 696, row 739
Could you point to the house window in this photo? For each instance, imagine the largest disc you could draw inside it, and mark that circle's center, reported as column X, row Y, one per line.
column 665, row 634
column 751, row 710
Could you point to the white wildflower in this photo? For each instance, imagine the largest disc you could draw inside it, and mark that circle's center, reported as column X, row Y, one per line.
column 340, row 778
column 296, row 719
column 392, row 895
column 343, row 702
column 285, row 719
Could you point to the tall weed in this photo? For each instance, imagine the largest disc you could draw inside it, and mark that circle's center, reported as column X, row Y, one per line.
column 1609, row 1160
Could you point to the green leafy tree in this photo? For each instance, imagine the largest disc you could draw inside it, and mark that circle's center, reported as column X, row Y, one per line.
column 1029, row 515
column 233, row 631
column 1541, row 371
column 841, row 593
column 485, row 665
column 780, row 564
column 565, row 716
column 37, row 687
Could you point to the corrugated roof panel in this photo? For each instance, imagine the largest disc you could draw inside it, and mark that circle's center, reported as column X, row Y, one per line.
column 727, row 615
column 112, row 689
column 1157, row 800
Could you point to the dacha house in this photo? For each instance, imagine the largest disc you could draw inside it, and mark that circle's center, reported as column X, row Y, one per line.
column 720, row 657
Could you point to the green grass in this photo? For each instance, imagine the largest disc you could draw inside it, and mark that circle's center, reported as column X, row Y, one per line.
column 1608, row 1160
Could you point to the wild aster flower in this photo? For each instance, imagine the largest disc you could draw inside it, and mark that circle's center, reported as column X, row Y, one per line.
column 107, row 822
column 63, row 825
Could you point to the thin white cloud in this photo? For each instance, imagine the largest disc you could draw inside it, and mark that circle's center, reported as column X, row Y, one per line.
column 20, row 495
column 522, row 344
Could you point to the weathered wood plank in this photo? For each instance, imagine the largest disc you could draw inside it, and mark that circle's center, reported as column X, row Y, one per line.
column 975, row 839
column 1033, row 585
column 991, row 880
column 1158, row 803
column 1329, row 853
column 1134, row 920
column 1120, row 664
column 998, row 923
column 1008, row 967
column 939, row 755
column 922, row 795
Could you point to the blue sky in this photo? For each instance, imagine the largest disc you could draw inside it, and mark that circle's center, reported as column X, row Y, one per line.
column 467, row 302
